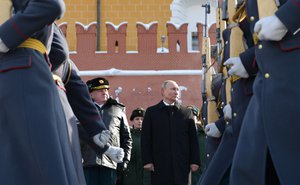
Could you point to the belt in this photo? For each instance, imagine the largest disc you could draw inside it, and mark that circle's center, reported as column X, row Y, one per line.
column 234, row 78
column 6, row 9
column 34, row 44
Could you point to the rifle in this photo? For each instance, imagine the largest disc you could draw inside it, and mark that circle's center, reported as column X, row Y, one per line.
column 221, row 20
column 209, row 101
column 235, row 14
column 230, row 14
column 6, row 7
column 220, row 26
column 265, row 8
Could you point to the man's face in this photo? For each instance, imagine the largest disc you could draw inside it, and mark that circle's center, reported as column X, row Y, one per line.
column 171, row 92
column 100, row 96
column 137, row 122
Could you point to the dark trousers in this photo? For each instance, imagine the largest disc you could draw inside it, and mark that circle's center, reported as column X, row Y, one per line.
column 99, row 175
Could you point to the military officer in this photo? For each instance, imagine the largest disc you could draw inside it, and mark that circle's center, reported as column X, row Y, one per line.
column 269, row 139
column 101, row 170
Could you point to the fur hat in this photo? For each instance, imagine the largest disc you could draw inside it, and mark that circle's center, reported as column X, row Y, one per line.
column 138, row 112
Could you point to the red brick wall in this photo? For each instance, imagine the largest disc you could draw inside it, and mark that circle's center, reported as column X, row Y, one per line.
column 141, row 91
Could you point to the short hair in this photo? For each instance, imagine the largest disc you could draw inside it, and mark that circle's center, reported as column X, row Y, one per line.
column 165, row 83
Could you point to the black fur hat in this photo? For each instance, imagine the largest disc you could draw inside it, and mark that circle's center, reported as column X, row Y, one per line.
column 139, row 112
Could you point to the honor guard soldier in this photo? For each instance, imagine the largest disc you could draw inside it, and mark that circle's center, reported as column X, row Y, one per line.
column 77, row 104
column 33, row 135
column 209, row 110
column 242, row 79
column 268, row 148
column 102, row 170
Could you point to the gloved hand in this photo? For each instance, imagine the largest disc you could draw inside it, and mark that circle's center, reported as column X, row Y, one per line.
column 227, row 112
column 149, row 167
column 270, row 28
column 115, row 153
column 102, row 138
column 237, row 68
column 3, row 47
column 212, row 130
column 122, row 166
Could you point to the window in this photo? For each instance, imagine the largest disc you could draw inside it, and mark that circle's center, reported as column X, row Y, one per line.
column 195, row 41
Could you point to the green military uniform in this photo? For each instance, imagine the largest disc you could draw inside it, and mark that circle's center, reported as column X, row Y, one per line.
column 135, row 174
column 201, row 140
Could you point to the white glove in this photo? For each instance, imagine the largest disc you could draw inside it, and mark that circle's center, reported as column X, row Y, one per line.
column 102, row 138
column 115, row 153
column 270, row 28
column 227, row 112
column 3, row 47
column 236, row 67
column 212, row 130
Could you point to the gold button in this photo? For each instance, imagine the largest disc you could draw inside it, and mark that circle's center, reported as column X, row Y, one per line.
column 204, row 102
column 222, row 103
column 226, row 42
column 260, row 46
column 207, row 155
column 227, row 123
column 252, row 18
column 231, row 89
column 267, row 75
column 234, row 114
column 203, row 119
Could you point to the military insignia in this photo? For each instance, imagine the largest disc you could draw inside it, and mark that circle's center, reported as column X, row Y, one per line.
column 101, row 81
column 140, row 112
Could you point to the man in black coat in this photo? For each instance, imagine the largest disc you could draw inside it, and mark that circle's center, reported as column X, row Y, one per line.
column 169, row 139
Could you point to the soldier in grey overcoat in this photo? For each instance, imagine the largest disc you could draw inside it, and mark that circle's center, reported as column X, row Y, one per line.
column 218, row 171
column 269, row 144
column 77, row 104
column 33, row 136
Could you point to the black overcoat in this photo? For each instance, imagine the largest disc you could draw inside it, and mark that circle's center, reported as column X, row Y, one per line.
column 169, row 141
